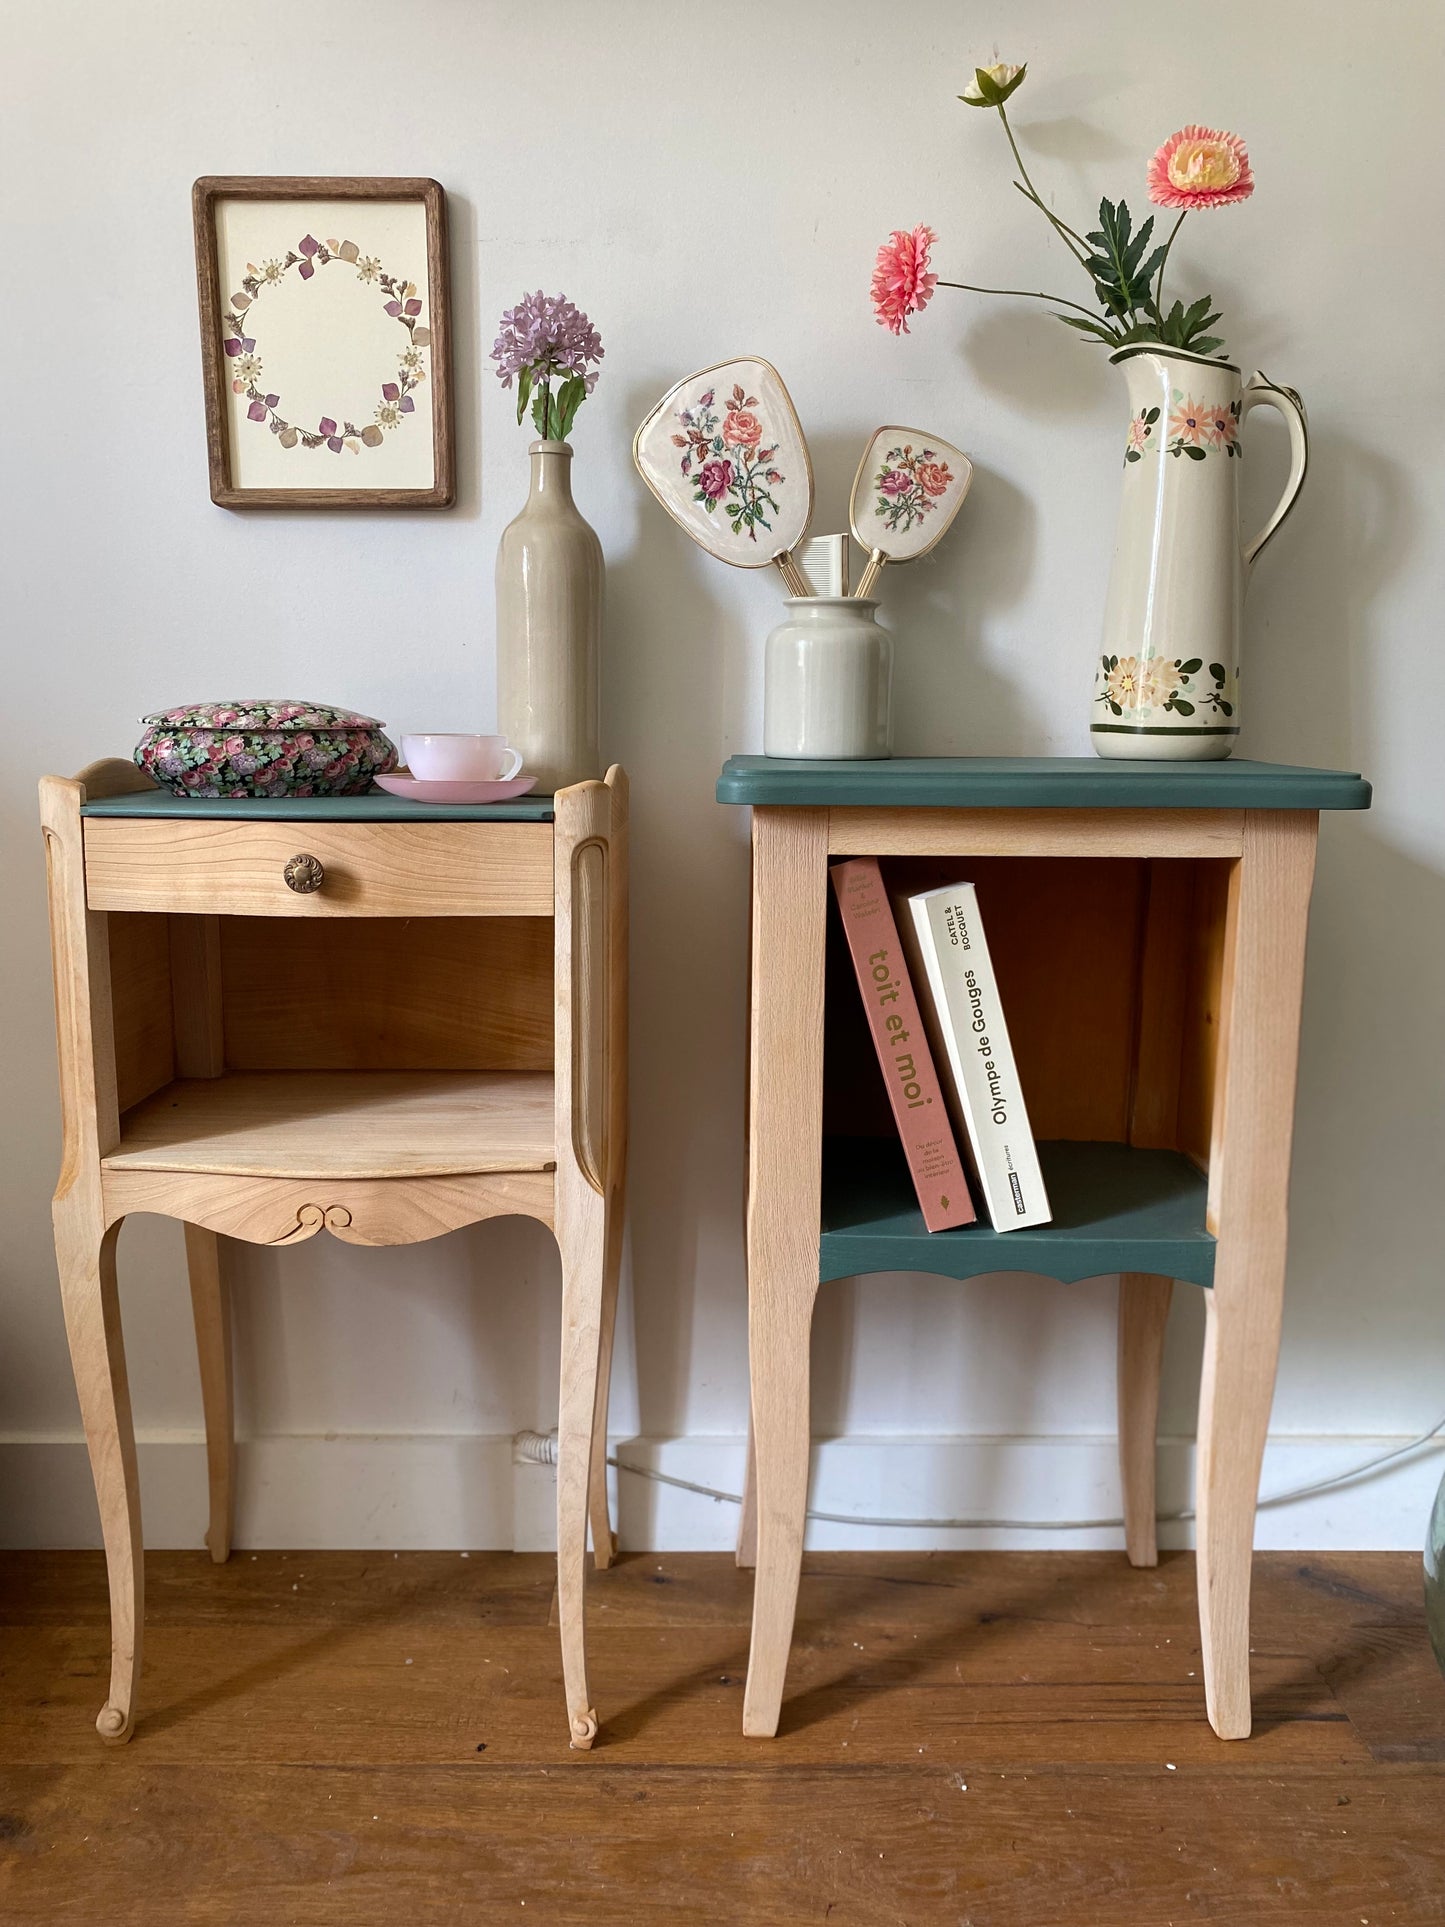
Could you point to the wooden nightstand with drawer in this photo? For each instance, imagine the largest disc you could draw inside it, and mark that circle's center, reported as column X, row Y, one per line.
column 381, row 1019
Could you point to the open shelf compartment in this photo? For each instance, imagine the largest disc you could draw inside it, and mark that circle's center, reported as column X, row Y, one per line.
column 342, row 1048
column 1111, row 976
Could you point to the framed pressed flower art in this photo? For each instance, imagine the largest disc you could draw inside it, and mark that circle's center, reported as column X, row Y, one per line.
column 325, row 342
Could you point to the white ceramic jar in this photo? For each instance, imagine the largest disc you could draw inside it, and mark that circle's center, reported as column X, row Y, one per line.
column 828, row 681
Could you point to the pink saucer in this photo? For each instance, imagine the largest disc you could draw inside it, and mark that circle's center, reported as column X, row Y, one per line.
column 416, row 789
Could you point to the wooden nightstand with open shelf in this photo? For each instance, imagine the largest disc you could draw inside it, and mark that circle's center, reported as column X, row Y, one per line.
column 381, row 1019
column 1147, row 924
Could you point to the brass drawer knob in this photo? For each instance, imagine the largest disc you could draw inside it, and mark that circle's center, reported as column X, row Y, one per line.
column 304, row 874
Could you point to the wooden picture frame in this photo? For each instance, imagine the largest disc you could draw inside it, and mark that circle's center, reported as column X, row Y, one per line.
column 291, row 460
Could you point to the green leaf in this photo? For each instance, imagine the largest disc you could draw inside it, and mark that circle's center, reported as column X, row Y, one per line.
column 524, row 393
column 1206, row 344
column 1087, row 327
column 1216, row 669
column 1195, row 454
column 1195, row 313
column 1184, row 708
column 1120, row 273
column 1140, row 331
column 570, row 397
column 1192, row 667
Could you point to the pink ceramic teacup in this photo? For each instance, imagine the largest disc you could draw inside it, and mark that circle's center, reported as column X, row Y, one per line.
column 461, row 759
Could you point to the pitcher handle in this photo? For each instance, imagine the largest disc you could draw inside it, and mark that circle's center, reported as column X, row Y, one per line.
column 1259, row 388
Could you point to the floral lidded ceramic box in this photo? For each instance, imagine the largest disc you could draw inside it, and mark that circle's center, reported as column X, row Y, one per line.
column 263, row 748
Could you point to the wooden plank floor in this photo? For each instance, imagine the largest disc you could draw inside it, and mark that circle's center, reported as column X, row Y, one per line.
column 976, row 1740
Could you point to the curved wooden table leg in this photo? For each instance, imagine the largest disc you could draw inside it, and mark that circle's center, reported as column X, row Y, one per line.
column 582, row 1243
column 211, row 1308
column 1248, row 1193
column 785, row 1085
column 779, row 1328
column 1143, row 1314
column 86, row 1257
column 604, row 1539
column 747, row 1549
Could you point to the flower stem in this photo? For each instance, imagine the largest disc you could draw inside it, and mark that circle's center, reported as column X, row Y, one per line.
column 1027, row 294
column 1074, row 242
column 1159, row 284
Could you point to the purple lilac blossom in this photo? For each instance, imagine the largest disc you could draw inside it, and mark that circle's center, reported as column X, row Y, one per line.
column 550, row 335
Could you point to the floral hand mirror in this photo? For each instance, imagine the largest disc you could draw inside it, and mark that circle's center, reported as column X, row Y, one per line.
column 908, row 488
column 724, row 454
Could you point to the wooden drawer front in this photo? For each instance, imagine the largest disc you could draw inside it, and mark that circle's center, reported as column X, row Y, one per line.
column 371, row 869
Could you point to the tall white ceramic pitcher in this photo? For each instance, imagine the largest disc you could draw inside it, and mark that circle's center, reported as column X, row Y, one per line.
column 1166, row 686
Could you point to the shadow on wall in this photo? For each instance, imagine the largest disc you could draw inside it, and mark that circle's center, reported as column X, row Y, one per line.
column 680, row 677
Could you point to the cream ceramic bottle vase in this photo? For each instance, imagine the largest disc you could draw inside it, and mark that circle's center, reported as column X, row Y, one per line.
column 549, row 628
column 1166, row 684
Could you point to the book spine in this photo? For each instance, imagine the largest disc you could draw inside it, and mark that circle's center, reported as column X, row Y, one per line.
column 961, row 984
column 919, row 1107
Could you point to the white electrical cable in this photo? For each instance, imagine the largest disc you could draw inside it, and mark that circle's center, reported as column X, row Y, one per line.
column 540, row 1448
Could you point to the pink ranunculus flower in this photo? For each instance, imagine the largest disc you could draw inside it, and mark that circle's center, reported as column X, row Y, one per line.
column 1200, row 167
column 935, row 477
column 902, row 283
column 896, row 482
column 715, row 479
column 741, row 429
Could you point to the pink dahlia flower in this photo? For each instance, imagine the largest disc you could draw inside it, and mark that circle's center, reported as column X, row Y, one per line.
column 1200, row 167
column 902, row 284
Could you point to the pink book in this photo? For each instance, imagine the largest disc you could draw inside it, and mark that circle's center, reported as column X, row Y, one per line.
column 902, row 1045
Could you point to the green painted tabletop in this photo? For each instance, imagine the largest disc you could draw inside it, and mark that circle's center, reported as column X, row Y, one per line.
column 1038, row 782
column 375, row 807
column 1114, row 1209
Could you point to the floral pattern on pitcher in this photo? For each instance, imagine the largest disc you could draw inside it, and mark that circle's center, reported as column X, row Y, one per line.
column 1148, row 692
column 1196, row 429
column 724, row 456
column 1200, row 429
column 1140, row 429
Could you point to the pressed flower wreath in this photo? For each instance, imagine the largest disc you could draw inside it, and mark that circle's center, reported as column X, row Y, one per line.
column 1197, row 168
column 402, row 303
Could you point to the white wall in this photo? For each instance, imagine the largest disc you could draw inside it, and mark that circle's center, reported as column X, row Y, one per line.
column 702, row 194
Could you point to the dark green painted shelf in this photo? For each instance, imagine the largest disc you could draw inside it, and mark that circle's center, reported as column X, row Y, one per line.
column 377, row 807
column 1115, row 1209
column 1038, row 782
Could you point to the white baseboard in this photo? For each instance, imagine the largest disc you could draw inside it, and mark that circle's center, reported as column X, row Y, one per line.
column 398, row 1492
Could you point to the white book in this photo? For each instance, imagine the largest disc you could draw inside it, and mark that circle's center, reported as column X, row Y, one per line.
column 960, row 1002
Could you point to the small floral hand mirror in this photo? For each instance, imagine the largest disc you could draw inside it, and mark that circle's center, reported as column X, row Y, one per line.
column 908, row 488
column 724, row 453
